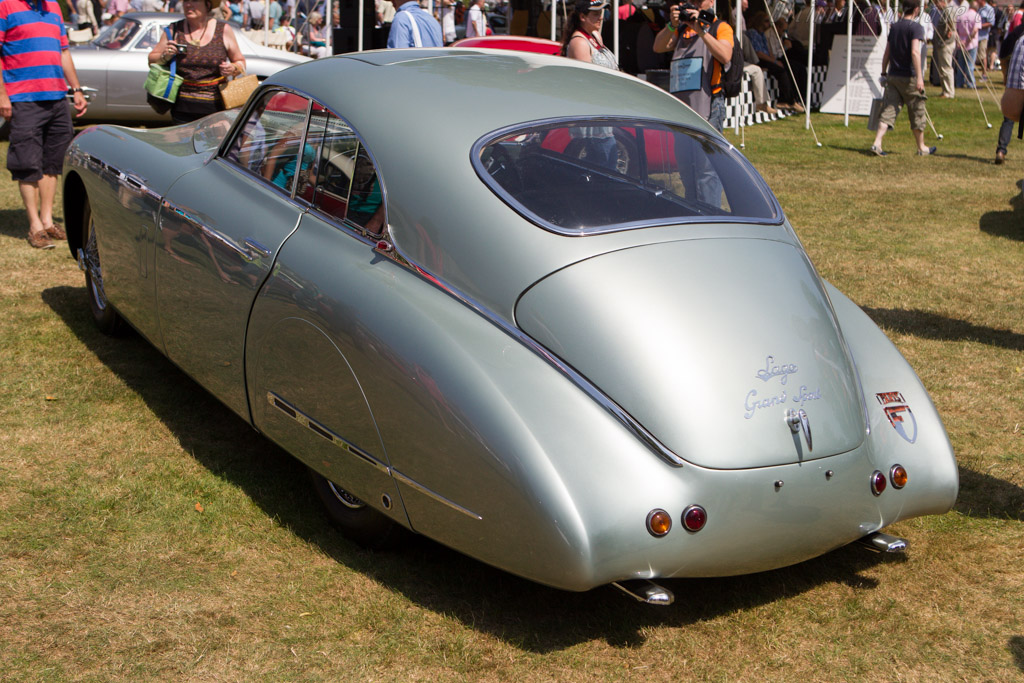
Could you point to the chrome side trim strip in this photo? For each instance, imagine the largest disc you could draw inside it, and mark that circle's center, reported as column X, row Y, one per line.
column 306, row 421
column 298, row 416
column 439, row 498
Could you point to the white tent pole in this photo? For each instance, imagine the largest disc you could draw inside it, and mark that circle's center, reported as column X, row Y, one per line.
column 849, row 58
column 266, row 22
column 810, row 65
column 329, row 23
column 359, row 35
column 553, row 9
column 615, row 30
column 743, row 86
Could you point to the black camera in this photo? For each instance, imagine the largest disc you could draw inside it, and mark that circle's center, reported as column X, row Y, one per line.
column 705, row 17
column 182, row 50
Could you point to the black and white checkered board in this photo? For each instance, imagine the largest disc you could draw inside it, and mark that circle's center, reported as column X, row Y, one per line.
column 743, row 104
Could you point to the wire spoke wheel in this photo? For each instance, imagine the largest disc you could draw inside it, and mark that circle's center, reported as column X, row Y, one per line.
column 106, row 318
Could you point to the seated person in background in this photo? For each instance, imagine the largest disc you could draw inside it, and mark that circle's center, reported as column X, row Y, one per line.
column 317, row 36
column 760, row 24
column 750, row 67
column 756, row 75
column 365, row 203
column 280, row 165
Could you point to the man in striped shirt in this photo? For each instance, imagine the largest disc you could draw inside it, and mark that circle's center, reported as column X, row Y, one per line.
column 37, row 70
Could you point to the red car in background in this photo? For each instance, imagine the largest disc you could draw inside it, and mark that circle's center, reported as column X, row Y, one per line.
column 516, row 43
column 659, row 154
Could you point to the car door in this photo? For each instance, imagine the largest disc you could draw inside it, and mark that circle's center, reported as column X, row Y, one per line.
column 220, row 230
column 309, row 332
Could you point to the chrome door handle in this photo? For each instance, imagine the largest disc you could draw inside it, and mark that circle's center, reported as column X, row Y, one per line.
column 256, row 249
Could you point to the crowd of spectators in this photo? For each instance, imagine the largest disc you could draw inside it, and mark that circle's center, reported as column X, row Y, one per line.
column 978, row 27
column 698, row 45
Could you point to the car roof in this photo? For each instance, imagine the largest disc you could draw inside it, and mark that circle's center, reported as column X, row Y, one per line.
column 469, row 92
column 421, row 111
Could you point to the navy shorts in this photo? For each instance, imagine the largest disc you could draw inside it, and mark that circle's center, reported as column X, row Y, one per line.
column 40, row 134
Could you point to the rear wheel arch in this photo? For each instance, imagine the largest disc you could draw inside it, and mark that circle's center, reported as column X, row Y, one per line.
column 75, row 198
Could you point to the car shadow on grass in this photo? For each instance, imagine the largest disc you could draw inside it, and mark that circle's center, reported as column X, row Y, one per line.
column 1008, row 224
column 982, row 495
column 524, row 614
column 1016, row 646
column 13, row 222
column 928, row 325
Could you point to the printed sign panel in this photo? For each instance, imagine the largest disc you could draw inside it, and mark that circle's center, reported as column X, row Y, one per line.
column 865, row 70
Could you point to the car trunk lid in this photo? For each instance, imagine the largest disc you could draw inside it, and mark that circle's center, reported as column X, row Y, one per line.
column 708, row 344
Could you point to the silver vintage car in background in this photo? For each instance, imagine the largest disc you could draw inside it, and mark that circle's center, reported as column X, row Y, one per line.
column 535, row 310
column 113, row 67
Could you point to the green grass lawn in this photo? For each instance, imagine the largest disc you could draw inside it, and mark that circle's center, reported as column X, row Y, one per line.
column 148, row 534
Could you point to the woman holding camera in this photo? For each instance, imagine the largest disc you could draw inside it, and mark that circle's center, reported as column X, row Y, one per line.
column 581, row 38
column 206, row 52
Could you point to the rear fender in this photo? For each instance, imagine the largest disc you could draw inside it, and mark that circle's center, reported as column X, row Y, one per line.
column 904, row 425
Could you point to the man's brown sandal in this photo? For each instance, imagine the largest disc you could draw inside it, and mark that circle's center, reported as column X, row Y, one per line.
column 55, row 232
column 40, row 240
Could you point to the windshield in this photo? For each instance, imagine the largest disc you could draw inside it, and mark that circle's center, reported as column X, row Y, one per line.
column 588, row 176
column 118, row 35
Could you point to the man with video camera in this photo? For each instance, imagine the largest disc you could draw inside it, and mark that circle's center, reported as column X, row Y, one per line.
column 701, row 47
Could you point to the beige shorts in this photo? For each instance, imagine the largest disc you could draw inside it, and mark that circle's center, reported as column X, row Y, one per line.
column 900, row 90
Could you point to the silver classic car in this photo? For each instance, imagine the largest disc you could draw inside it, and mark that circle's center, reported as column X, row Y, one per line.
column 535, row 310
column 113, row 67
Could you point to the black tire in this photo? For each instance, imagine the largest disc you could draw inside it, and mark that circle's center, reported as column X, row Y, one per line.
column 103, row 314
column 355, row 519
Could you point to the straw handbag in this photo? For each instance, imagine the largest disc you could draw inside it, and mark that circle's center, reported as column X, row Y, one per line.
column 236, row 92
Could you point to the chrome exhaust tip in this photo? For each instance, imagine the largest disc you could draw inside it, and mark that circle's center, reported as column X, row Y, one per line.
column 885, row 543
column 646, row 591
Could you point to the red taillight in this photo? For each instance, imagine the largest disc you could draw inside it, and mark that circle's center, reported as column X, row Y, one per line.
column 694, row 518
column 658, row 522
column 898, row 476
column 877, row 483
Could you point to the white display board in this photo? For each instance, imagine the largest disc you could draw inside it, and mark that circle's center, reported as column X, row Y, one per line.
column 865, row 71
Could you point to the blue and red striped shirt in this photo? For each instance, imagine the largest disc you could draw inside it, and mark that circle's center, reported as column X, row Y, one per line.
column 32, row 36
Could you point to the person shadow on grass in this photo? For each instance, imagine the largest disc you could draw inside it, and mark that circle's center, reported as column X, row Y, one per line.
column 1008, row 224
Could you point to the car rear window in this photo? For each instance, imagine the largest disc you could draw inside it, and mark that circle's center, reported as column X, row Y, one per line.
column 588, row 176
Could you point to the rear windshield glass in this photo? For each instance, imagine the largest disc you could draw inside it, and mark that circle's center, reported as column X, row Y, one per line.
column 581, row 177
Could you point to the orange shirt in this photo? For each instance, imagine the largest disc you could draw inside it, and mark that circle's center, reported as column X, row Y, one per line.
column 724, row 33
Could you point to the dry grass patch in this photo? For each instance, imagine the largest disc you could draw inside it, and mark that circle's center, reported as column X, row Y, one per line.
column 146, row 533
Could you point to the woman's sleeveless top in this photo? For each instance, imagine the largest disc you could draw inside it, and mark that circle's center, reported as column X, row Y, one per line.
column 200, row 69
column 603, row 57
column 600, row 55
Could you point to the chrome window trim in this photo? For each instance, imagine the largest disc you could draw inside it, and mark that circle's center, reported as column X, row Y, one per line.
column 344, row 224
column 238, row 127
column 515, row 205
